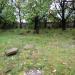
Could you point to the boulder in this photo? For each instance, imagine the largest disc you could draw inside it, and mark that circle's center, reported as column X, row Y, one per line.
column 11, row 51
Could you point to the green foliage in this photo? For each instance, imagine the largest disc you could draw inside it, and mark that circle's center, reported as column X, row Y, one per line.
column 8, row 13
column 56, row 11
column 7, row 16
column 2, row 4
column 36, row 7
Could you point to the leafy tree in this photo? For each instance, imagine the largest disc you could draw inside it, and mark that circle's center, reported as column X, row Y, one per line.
column 7, row 16
column 63, row 8
column 34, row 8
column 2, row 5
column 19, row 4
column 8, row 13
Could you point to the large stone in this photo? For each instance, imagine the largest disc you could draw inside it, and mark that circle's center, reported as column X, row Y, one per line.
column 33, row 72
column 11, row 51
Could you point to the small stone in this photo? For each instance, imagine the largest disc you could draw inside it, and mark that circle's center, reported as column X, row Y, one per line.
column 28, row 31
column 1, row 72
column 11, row 51
column 22, row 73
column 64, row 63
column 29, row 46
column 9, row 74
column 8, row 68
column 22, row 33
column 54, row 71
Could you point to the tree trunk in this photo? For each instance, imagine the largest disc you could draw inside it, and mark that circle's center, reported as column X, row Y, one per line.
column 45, row 23
column 63, row 24
column 20, row 17
column 36, row 27
column 74, row 24
column 63, row 16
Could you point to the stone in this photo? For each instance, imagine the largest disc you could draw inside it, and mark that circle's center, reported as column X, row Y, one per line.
column 28, row 31
column 33, row 72
column 29, row 46
column 2, row 73
column 8, row 68
column 22, row 33
column 11, row 51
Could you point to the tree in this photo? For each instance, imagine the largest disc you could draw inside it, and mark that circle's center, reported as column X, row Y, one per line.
column 18, row 6
column 7, row 16
column 34, row 8
column 2, row 6
column 64, row 10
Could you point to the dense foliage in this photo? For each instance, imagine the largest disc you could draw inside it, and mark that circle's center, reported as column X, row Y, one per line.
column 15, row 11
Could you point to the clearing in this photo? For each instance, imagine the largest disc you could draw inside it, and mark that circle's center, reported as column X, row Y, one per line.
column 51, row 51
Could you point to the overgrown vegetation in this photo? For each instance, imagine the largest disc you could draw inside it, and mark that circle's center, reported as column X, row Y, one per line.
column 50, row 51
column 15, row 11
column 28, row 25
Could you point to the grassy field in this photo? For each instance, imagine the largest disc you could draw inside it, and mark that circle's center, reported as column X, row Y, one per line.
column 52, row 51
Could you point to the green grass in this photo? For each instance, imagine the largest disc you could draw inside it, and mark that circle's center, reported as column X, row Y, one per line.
column 53, row 50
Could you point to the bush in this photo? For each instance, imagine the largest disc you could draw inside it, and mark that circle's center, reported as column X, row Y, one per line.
column 8, row 25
